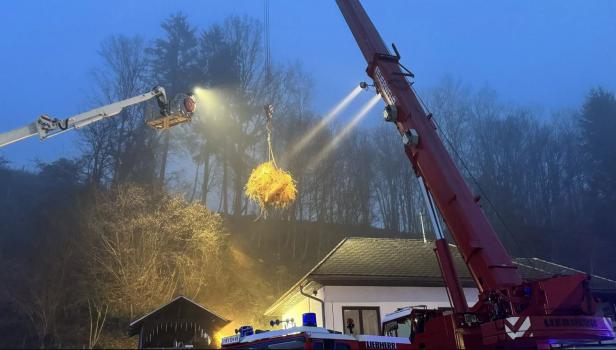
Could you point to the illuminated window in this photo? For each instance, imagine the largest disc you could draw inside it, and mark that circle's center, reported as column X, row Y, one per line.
column 361, row 320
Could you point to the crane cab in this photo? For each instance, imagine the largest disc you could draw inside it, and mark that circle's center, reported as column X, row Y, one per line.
column 418, row 323
column 409, row 321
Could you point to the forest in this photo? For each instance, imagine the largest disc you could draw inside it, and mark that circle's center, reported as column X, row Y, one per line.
column 92, row 242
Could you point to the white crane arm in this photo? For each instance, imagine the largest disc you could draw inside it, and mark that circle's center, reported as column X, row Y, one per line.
column 18, row 134
column 46, row 126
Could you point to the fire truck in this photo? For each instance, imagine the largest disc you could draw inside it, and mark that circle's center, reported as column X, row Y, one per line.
column 309, row 336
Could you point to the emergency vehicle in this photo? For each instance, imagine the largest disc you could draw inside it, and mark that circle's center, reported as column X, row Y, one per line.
column 309, row 336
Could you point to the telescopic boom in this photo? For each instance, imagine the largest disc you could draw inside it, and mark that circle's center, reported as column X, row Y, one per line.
column 46, row 126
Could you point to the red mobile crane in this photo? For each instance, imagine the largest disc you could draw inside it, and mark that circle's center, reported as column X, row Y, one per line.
column 510, row 313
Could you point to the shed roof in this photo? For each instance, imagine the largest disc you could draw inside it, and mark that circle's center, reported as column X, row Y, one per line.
column 180, row 307
column 402, row 262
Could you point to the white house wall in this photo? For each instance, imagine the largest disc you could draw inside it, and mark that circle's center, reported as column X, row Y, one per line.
column 306, row 305
column 387, row 299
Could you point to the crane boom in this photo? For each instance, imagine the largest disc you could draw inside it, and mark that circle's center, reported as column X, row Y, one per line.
column 46, row 126
column 509, row 313
column 487, row 259
column 19, row 134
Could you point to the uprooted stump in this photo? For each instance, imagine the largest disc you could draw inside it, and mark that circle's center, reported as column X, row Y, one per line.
column 271, row 187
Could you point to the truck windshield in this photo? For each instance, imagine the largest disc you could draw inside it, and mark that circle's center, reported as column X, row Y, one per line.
column 398, row 328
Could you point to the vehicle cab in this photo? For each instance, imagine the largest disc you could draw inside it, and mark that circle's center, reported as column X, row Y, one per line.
column 398, row 323
column 409, row 321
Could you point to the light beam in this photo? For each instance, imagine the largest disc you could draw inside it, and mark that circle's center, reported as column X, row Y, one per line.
column 208, row 102
column 361, row 114
column 331, row 115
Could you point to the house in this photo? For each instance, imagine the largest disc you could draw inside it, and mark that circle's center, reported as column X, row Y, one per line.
column 363, row 279
column 180, row 323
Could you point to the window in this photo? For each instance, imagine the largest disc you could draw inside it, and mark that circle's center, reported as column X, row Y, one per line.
column 361, row 320
column 404, row 329
column 294, row 344
column 398, row 328
column 342, row 346
column 329, row 344
column 284, row 343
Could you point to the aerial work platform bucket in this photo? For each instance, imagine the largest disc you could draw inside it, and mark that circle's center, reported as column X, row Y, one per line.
column 180, row 111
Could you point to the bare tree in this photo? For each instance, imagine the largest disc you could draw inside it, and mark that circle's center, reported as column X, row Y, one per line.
column 40, row 292
column 146, row 248
column 173, row 65
column 120, row 149
column 98, row 316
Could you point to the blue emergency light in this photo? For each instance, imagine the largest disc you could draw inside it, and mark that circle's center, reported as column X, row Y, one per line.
column 246, row 331
column 309, row 319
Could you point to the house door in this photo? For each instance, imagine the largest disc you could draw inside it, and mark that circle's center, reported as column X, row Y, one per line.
column 361, row 320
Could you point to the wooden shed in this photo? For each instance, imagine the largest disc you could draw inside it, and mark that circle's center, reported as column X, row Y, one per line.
column 181, row 323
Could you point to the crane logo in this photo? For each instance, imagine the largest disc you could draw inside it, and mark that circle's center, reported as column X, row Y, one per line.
column 515, row 328
column 389, row 97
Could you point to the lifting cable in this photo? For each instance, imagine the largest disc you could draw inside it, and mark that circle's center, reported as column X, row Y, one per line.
column 269, row 110
column 483, row 193
column 268, row 185
column 269, row 107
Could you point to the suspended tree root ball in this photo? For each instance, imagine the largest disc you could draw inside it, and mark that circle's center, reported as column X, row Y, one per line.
column 271, row 187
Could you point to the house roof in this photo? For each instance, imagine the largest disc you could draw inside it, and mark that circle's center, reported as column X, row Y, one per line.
column 392, row 259
column 180, row 307
column 402, row 262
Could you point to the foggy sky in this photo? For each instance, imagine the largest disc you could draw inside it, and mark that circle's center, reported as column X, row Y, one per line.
column 540, row 54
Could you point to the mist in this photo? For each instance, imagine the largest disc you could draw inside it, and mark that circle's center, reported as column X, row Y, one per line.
column 99, row 218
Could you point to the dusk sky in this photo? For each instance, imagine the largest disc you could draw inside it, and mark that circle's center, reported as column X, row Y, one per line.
column 540, row 54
